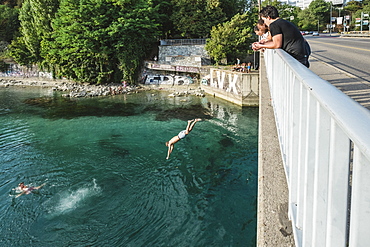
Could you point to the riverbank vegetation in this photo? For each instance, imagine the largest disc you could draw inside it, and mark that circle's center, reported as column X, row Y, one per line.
column 102, row 41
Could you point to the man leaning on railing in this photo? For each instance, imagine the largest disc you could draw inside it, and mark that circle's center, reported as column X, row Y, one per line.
column 285, row 35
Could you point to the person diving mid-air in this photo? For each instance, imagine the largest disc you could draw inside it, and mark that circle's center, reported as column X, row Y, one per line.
column 171, row 143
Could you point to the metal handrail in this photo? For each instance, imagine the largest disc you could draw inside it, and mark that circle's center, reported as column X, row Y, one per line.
column 183, row 42
column 325, row 142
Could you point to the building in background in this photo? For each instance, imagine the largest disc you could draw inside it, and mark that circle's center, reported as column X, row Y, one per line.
column 305, row 3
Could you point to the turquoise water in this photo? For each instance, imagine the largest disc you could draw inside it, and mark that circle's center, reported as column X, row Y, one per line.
column 108, row 182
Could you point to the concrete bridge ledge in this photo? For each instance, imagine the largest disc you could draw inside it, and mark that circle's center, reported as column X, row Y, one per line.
column 273, row 226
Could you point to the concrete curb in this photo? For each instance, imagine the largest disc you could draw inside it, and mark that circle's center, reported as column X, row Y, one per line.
column 273, row 226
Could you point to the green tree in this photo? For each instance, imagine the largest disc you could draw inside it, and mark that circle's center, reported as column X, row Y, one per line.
column 163, row 10
column 9, row 23
column 286, row 11
column 231, row 39
column 19, row 52
column 317, row 13
column 134, row 34
column 352, row 6
column 194, row 19
column 177, row 18
column 365, row 2
column 98, row 41
column 306, row 20
column 357, row 14
column 233, row 7
column 4, row 66
column 79, row 45
column 36, row 17
column 12, row 3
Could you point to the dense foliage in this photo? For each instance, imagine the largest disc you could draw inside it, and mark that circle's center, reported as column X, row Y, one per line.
column 315, row 16
column 286, row 11
column 231, row 39
column 100, row 41
column 195, row 18
column 357, row 10
column 9, row 23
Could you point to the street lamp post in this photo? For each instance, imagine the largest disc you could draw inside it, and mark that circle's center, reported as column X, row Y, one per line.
column 331, row 10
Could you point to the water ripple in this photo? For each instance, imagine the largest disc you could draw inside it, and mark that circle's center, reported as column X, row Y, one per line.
column 13, row 136
column 198, row 197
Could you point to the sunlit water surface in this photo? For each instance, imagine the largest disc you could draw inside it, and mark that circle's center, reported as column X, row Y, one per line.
column 107, row 180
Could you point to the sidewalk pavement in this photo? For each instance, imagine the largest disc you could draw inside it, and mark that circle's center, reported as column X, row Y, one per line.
column 273, row 226
column 357, row 89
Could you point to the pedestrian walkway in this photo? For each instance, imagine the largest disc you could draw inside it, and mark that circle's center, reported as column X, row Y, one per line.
column 357, row 89
column 273, row 225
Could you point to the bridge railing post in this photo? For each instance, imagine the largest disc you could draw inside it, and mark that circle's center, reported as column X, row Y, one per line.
column 325, row 143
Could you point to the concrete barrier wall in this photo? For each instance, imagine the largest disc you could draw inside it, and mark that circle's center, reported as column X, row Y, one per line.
column 239, row 88
column 188, row 55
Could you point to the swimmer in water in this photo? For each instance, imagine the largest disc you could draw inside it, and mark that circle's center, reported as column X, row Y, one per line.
column 23, row 189
column 171, row 143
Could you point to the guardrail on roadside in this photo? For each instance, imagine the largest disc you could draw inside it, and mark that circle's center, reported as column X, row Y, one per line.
column 355, row 34
column 325, row 142
column 183, row 41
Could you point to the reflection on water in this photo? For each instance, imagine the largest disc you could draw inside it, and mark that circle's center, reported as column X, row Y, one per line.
column 107, row 180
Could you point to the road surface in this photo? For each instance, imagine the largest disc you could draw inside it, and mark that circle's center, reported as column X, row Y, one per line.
column 345, row 63
column 348, row 54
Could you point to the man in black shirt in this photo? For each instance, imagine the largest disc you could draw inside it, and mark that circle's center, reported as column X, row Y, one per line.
column 285, row 35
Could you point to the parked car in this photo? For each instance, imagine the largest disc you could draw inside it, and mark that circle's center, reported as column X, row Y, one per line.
column 315, row 34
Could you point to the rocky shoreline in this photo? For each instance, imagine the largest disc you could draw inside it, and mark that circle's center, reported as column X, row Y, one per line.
column 76, row 90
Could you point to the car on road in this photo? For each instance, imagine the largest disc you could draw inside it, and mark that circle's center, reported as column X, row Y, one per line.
column 315, row 34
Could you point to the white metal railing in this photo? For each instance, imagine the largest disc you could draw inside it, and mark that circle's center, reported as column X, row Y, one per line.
column 183, row 41
column 325, row 143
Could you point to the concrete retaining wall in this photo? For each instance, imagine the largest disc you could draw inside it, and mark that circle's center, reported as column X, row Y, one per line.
column 239, row 88
column 184, row 55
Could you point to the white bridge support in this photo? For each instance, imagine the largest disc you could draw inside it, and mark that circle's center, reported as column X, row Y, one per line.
column 325, row 143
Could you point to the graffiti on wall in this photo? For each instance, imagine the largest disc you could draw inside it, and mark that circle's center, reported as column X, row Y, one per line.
column 227, row 81
column 168, row 67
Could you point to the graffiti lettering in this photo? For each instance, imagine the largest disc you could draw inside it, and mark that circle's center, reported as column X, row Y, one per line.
column 220, row 79
column 232, row 84
column 226, row 81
